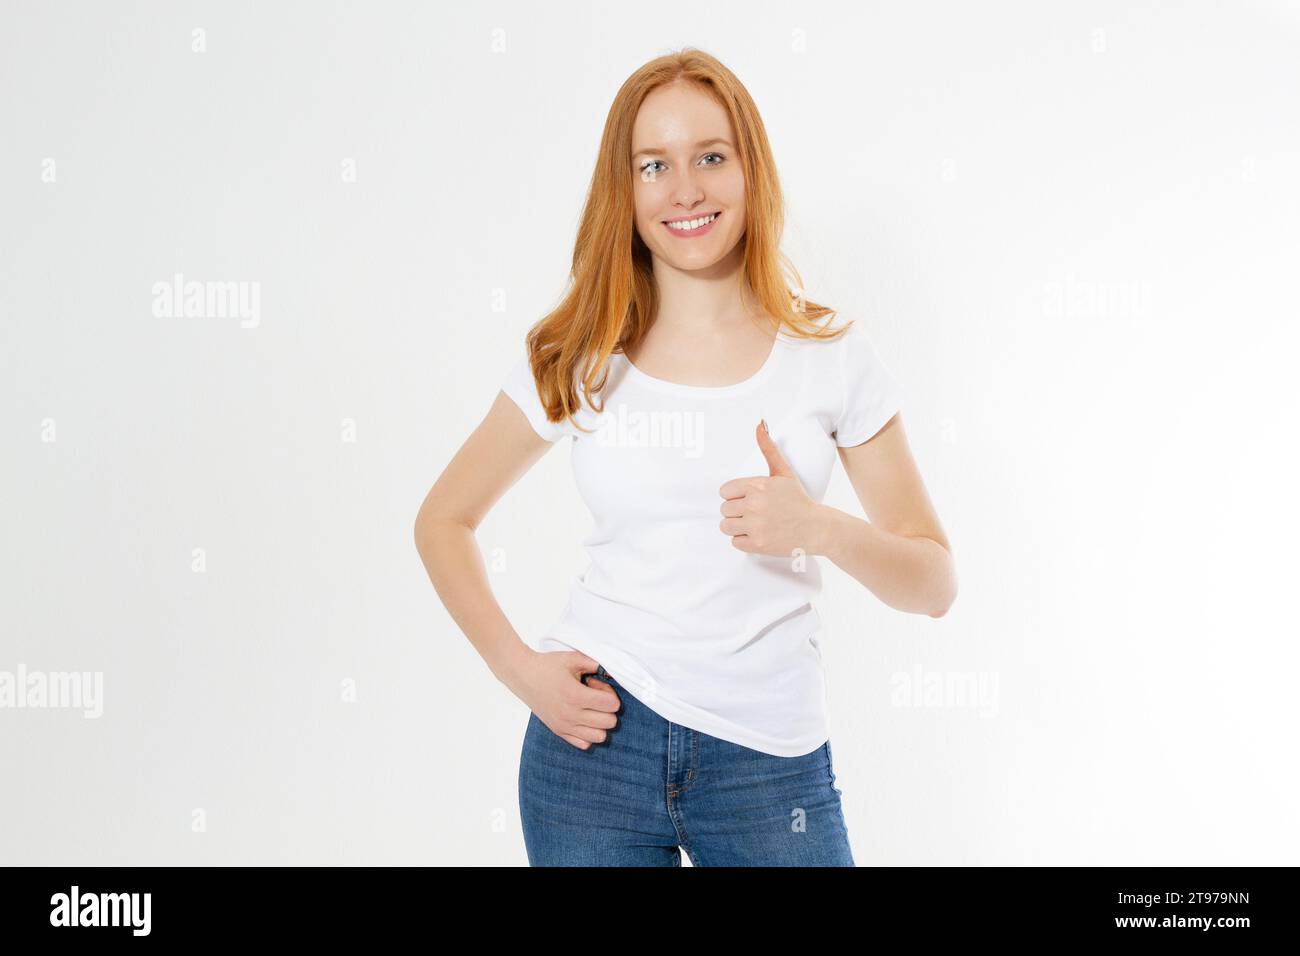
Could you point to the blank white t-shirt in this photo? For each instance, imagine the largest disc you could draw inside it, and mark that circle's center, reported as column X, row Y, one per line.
column 708, row 636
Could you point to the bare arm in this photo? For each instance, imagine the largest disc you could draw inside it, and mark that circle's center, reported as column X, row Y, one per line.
column 901, row 554
column 494, row 457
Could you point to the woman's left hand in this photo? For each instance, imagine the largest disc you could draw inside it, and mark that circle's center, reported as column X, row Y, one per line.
column 771, row 514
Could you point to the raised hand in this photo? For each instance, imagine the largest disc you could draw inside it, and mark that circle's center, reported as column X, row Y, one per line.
column 770, row 514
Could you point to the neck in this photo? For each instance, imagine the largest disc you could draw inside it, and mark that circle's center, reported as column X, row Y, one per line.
column 703, row 299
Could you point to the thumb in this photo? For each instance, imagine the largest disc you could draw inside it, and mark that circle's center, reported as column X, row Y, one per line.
column 775, row 460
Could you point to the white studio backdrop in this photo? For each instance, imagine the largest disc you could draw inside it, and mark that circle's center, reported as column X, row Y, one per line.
column 1071, row 229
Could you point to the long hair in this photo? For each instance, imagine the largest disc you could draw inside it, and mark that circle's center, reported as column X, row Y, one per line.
column 612, row 298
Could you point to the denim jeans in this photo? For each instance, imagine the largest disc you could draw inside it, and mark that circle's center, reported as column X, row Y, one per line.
column 653, row 786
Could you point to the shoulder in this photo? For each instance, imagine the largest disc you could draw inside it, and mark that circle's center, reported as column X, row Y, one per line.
column 850, row 356
column 519, row 382
column 837, row 332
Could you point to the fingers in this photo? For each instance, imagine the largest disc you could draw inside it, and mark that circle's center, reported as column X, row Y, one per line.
column 742, row 542
column 739, row 487
column 733, row 521
column 593, row 735
column 776, row 462
column 598, row 720
column 597, row 704
column 596, row 698
column 592, row 727
column 581, row 664
column 588, row 708
column 732, row 526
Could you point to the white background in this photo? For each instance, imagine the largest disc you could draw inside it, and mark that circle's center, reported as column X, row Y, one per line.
column 1071, row 229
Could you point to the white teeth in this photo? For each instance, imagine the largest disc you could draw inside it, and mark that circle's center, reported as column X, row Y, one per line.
column 692, row 223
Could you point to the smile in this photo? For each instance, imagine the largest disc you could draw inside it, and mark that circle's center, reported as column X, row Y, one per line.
column 693, row 227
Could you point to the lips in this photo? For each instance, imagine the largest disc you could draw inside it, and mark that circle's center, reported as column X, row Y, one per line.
column 698, row 215
column 699, row 230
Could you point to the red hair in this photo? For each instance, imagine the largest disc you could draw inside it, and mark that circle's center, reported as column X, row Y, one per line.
column 612, row 298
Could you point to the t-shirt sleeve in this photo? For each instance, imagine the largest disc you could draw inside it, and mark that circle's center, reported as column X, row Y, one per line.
column 872, row 395
column 522, row 390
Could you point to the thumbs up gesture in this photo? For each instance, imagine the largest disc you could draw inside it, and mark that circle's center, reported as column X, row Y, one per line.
column 770, row 514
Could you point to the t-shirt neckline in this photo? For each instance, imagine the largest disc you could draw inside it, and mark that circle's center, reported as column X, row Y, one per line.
column 711, row 391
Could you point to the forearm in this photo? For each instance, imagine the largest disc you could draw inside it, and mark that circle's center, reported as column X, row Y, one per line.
column 455, row 566
column 912, row 574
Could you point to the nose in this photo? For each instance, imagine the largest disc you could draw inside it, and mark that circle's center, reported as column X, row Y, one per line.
column 687, row 194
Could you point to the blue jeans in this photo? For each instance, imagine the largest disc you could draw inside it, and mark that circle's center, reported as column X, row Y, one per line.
column 653, row 786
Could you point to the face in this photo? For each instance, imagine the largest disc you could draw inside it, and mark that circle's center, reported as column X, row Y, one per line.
column 685, row 167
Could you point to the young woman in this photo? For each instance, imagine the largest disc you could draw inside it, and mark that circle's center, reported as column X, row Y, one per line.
column 679, row 703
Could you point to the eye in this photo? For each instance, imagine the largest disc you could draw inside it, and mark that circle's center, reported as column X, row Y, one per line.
column 654, row 162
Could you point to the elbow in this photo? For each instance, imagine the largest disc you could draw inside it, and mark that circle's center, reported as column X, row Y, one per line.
column 421, row 533
column 949, row 591
column 944, row 608
column 424, row 528
column 430, row 525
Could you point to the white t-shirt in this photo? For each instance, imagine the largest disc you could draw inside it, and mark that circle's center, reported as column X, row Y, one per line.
column 710, row 637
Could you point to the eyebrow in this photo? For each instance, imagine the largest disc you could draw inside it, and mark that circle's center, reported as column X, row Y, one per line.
column 700, row 145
